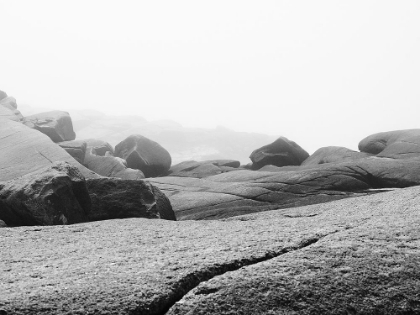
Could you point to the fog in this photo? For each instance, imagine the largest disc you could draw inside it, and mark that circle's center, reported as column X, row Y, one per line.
column 318, row 72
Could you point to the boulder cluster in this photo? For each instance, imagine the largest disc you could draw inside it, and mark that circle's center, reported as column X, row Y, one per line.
column 102, row 182
column 49, row 178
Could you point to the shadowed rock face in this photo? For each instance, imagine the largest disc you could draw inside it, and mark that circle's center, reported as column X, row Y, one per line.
column 145, row 155
column 76, row 148
column 54, row 196
column 353, row 256
column 55, row 124
column 25, row 150
column 281, row 152
column 99, row 147
column 399, row 144
column 114, row 198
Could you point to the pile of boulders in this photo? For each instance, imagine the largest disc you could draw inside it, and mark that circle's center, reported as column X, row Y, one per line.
column 47, row 177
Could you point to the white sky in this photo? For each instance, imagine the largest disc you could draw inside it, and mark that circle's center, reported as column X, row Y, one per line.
column 318, row 72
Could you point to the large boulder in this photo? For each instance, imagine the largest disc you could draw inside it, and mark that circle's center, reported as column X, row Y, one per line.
column 114, row 198
column 332, row 155
column 398, row 144
column 8, row 109
column 51, row 196
column 281, row 152
column 203, row 169
column 55, row 124
column 110, row 166
column 144, row 154
column 24, row 151
column 76, row 148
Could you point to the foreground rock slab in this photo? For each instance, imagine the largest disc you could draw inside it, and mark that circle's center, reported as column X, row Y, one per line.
column 353, row 256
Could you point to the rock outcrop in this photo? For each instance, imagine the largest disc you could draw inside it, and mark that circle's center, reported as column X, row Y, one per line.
column 2, row 95
column 55, row 124
column 399, row 144
column 203, row 168
column 281, row 152
column 144, row 154
column 110, row 166
column 52, row 196
column 24, row 150
column 353, row 256
column 333, row 155
column 243, row 191
column 114, row 198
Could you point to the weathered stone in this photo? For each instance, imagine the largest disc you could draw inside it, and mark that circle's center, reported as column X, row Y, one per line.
column 110, row 166
column 144, row 154
column 55, row 124
column 114, row 198
column 281, row 152
column 54, row 195
column 203, row 168
column 398, row 144
column 76, row 148
column 8, row 109
column 332, row 155
column 354, row 256
column 24, row 150
column 2, row 224
column 243, row 191
column 99, row 147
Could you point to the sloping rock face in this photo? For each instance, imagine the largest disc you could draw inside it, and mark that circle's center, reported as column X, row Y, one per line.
column 333, row 155
column 353, row 256
column 76, row 148
column 8, row 109
column 2, row 95
column 55, row 124
column 281, row 152
column 114, row 198
column 55, row 195
column 203, row 169
column 110, row 166
column 243, row 191
column 145, row 155
column 399, row 144
column 25, row 150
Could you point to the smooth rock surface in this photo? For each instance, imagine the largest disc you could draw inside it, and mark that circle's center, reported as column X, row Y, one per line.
column 144, row 154
column 2, row 95
column 243, row 191
column 24, row 150
column 99, row 147
column 55, row 124
column 54, row 195
column 353, row 256
column 333, row 154
column 398, row 144
column 110, row 166
column 114, row 198
column 281, row 152
column 203, row 168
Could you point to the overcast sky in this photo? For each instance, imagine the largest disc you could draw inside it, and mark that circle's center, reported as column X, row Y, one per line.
column 318, row 72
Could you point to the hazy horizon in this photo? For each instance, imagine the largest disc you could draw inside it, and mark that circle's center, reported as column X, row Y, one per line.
column 319, row 73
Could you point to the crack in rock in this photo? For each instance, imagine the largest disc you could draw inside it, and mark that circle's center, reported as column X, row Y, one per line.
column 164, row 303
